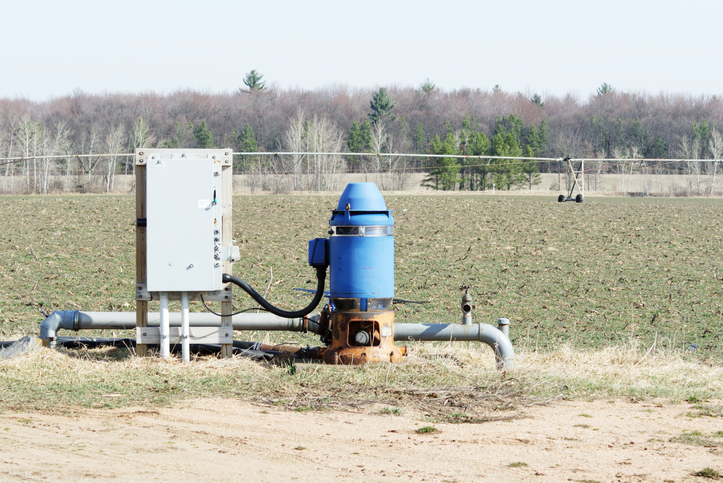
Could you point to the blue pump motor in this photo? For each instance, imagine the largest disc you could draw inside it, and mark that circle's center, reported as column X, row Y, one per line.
column 361, row 248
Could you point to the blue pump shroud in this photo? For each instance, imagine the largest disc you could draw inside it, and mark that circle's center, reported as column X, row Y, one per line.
column 361, row 247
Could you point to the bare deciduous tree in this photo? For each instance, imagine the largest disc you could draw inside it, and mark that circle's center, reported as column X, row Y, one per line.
column 141, row 137
column 379, row 143
column 315, row 135
column 382, row 142
column 689, row 150
column 715, row 144
column 11, row 121
column 27, row 140
column 4, row 148
column 621, row 153
column 113, row 144
column 325, row 136
column 89, row 145
column 295, row 141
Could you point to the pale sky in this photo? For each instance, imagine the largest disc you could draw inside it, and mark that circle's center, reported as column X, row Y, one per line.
column 51, row 48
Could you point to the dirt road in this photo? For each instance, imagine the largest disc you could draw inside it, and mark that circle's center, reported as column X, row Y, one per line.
column 229, row 440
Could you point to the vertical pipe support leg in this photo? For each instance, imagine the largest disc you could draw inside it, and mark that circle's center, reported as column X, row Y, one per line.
column 185, row 324
column 141, row 305
column 165, row 326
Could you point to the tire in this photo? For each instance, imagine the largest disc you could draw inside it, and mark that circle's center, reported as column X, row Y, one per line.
column 579, row 198
column 561, row 199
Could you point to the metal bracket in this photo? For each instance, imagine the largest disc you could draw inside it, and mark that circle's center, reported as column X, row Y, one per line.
column 231, row 253
column 197, row 335
column 142, row 292
column 146, row 155
column 225, row 295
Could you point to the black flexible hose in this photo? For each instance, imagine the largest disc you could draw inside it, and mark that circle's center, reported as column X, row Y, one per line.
column 320, row 275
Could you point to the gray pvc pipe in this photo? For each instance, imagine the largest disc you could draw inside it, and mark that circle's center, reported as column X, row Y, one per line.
column 493, row 337
column 246, row 321
column 77, row 320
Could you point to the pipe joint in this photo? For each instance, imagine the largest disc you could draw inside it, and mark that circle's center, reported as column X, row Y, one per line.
column 504, row 326
column 490, row 335
column 60, row 319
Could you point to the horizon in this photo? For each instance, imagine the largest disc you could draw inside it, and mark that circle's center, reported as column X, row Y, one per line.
column 274, row 87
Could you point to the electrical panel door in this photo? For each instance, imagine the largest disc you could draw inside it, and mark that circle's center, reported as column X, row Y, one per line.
column 183, row 213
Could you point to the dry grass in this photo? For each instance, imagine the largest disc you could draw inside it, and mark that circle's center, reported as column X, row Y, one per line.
column 449, row 381
column 624, row 372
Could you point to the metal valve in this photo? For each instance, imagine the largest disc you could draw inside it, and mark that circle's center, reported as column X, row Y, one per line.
column 466, row 305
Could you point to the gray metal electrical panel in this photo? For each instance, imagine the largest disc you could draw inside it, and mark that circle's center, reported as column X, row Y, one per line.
column 183, row 222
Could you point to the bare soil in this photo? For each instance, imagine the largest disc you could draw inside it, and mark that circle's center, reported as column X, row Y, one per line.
column 232, row 440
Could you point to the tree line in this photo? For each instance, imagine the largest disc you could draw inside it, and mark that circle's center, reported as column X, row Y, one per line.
column 424, row 120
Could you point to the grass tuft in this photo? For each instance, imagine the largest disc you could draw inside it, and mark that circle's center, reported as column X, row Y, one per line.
column 706, row 410
column 707, row 473
column 696, row 438
column 396, row 411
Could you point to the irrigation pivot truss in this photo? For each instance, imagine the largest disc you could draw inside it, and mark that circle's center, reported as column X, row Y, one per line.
column 16, row 159
column 45, row 173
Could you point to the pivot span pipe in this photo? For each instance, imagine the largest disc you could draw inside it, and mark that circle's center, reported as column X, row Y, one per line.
column 490, row 335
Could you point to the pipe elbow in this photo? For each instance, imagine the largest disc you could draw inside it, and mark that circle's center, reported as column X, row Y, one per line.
column 60, row 319
column 488, row 334
column 500, row 343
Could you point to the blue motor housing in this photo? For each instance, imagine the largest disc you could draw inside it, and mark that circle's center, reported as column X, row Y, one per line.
column 361, row 245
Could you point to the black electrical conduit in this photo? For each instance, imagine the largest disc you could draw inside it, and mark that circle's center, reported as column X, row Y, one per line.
column 321, row 278
column 242, row 348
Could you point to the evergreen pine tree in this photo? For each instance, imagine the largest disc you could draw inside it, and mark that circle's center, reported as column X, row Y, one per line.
column 507, row 173
column 381, row 106
column 353, row 140
column 248, row 142
column 444, row 175
column 366, row 134
column 176, row 141
column 204, row 138
column 420, row 140
column 701, row 132
column 428, row 87
column 480, row 145
column 659, row 149
column 605, row 89
column 355, row 144
column 253, row 81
